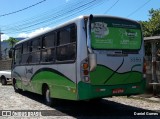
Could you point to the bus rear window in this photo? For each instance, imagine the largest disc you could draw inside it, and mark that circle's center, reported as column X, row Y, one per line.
column 113, row 33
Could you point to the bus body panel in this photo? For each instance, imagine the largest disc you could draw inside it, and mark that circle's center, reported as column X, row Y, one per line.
column 82, row 51
column 87, row 91
column 61, row 77
column 118, row 71
column 62, row 85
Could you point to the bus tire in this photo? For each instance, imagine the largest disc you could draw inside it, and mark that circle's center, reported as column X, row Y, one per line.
column 16, row 89
column 3, row 80
column 46, row 95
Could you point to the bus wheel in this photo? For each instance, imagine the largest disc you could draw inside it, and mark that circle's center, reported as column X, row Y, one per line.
column 47, row 98
column 16, row 89
column 3, row 81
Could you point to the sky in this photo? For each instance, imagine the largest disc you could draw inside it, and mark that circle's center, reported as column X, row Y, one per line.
column 26, row 18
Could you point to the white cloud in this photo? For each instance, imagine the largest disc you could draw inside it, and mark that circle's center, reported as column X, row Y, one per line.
column 25, row 35
column 4, row 37
column 67, row 1
column 36, row 32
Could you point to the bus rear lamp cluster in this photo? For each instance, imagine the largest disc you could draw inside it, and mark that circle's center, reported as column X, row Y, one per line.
column 86, row 78
column 85, row 69
column 85, row 72
column 85, row 66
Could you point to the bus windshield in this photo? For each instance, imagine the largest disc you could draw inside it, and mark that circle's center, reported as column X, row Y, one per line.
column 116, row 34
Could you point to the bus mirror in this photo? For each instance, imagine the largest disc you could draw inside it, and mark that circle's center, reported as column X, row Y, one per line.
column 10, row 53
column 92, row 61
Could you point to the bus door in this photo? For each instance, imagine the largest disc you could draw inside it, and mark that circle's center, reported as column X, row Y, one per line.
column 17, row 69
column 31, row 60
column 28, row 72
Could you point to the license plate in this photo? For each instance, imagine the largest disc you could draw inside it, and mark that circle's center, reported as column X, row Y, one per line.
column 118, row 91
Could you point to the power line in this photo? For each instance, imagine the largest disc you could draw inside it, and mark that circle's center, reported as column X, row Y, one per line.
column 53, row 14
column 41, row 17
column 138, row 8
column 36, row 18
column 60, row 15
column 59, row 19
column 111, row 7
column 22, row 9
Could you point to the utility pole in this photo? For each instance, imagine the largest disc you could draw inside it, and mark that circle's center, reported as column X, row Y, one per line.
column 0, row 46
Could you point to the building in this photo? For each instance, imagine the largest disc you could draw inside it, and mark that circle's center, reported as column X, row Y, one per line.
column 5, row 48
column 152, row 57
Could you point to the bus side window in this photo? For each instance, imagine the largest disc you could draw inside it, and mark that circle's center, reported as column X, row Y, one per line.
column 18, row 55
column 25, row 53
column 66, row 46
column 73, row 33
column 48, row 45
column 35, row 51
column 63, row 37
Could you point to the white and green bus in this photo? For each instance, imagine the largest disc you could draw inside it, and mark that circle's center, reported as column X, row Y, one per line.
column 85, row 58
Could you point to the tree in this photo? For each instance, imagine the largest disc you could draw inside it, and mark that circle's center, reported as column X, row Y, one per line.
column 152, row 27
column 12, row 41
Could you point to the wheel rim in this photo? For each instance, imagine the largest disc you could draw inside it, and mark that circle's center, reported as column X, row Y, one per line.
column 48, row 95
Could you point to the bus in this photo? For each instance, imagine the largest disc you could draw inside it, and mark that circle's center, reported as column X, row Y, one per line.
column 88, row 57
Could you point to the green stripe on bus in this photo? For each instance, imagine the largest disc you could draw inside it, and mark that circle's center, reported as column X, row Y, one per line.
column 60, row 86
column 106, row 76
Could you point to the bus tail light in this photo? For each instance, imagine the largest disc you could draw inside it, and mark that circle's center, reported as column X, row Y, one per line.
column 85, row 66
column 85, row 72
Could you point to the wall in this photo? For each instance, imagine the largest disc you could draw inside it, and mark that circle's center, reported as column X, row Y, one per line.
column 5, row 64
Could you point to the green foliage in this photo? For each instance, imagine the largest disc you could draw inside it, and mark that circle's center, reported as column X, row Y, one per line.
column 11, row 41
column 152, row 26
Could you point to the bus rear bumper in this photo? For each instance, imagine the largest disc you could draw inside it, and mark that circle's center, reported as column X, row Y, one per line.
column 87, row 91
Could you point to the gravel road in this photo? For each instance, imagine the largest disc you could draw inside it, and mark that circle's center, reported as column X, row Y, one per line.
column 107, row 107
column 15, row 101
